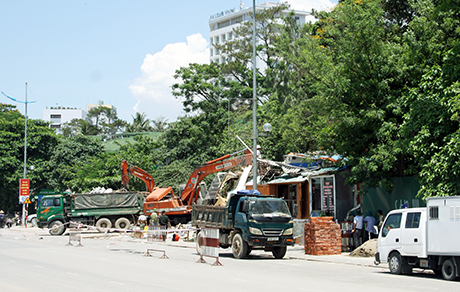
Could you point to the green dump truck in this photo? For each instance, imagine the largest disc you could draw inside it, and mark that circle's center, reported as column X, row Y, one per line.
column 249, row 221
column 57, row 211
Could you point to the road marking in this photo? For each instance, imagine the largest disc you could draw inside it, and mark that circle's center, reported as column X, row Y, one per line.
column 118, row 283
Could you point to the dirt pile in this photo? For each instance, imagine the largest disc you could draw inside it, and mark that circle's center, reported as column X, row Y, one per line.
column 367, row 249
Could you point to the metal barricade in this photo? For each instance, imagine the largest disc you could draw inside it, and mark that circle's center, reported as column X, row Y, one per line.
column 209, row 243
column 156, row 233
column 74, row 236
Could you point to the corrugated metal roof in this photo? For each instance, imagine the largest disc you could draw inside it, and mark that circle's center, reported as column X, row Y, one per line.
column 305, row 175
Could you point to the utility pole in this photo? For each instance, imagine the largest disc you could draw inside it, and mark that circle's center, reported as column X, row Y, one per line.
column 25, row 145
column 254, row 99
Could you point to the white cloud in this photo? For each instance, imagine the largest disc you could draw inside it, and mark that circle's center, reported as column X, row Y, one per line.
column 153, row 89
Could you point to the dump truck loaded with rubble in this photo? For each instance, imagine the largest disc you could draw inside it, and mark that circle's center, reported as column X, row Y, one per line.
column 57, row 211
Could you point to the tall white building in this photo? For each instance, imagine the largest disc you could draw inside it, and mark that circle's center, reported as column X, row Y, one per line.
column 221, row 26
column 59, row 115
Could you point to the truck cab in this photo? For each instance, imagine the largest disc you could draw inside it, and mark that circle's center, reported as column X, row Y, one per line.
column 51, row 212
column 264, row 222
column 403, row 235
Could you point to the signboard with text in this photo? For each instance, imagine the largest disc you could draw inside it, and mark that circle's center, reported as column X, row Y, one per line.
column 24, row 189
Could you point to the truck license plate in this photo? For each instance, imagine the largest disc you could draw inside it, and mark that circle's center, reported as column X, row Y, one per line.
column 272, row 238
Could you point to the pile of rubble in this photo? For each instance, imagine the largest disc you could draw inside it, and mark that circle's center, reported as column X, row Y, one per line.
column 367, row 249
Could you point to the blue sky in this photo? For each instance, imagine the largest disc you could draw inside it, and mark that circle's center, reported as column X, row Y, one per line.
column 73, row 53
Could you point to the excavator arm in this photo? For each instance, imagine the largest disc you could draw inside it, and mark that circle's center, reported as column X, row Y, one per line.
column 189, row 194
column 127, row 168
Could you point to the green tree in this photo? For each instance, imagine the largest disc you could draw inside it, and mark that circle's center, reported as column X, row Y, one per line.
column 9, row 112
column 105, row 120
column 69, row 153
column 103, row 169
column 41, row 140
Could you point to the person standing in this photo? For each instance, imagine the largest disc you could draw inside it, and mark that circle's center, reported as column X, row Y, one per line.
column 154, row 217
column 357, row 228
column 2, row 218
column 381, row 218
column 164, row 221
column 142, row 221
column 370, row 223
column 259, row 155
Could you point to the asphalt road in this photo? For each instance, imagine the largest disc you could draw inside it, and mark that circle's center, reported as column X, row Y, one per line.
column 39, row 262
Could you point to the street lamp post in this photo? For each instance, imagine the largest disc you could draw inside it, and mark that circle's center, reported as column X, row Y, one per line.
column 25, row 146
column 254, row 99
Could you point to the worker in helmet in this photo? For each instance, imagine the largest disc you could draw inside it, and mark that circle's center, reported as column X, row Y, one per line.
column 142, row 220
column 258, row 152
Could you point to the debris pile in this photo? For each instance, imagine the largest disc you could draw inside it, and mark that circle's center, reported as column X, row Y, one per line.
column 100, row 190
column 367, row 249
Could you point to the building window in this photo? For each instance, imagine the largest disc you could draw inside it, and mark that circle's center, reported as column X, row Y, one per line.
column 223, row 60
column 230, row 36
column 217, row 51
column 211, row 41
column 55, row 116
column 223, row 38
column 56, row 126
column 216, row 39
column 211, row 52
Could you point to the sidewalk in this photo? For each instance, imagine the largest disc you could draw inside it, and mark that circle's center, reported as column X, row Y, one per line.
column 296, row 252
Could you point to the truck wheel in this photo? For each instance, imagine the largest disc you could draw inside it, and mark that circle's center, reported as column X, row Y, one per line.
column 279, row 252
column 198, row 243
column 103, row 224
column 57, row 228
column 394, row 263
column 122, row 223
column 448, row 270
column 239, row 247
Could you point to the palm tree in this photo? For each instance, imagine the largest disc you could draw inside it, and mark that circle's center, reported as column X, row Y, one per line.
column 160, row 124
column 140, row 123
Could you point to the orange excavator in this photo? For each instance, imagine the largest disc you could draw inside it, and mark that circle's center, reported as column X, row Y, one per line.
column 179, row 208
column 127, row 168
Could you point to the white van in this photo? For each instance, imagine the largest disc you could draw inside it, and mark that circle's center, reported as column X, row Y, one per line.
column 426, row 238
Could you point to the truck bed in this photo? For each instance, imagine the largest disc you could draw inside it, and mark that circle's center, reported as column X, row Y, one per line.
column 106, row 200
column 210, row 216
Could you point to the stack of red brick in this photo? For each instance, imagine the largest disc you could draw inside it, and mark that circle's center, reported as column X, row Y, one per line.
column 322, row 237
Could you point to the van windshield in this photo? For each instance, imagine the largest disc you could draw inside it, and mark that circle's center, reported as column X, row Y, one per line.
column 393, row 221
